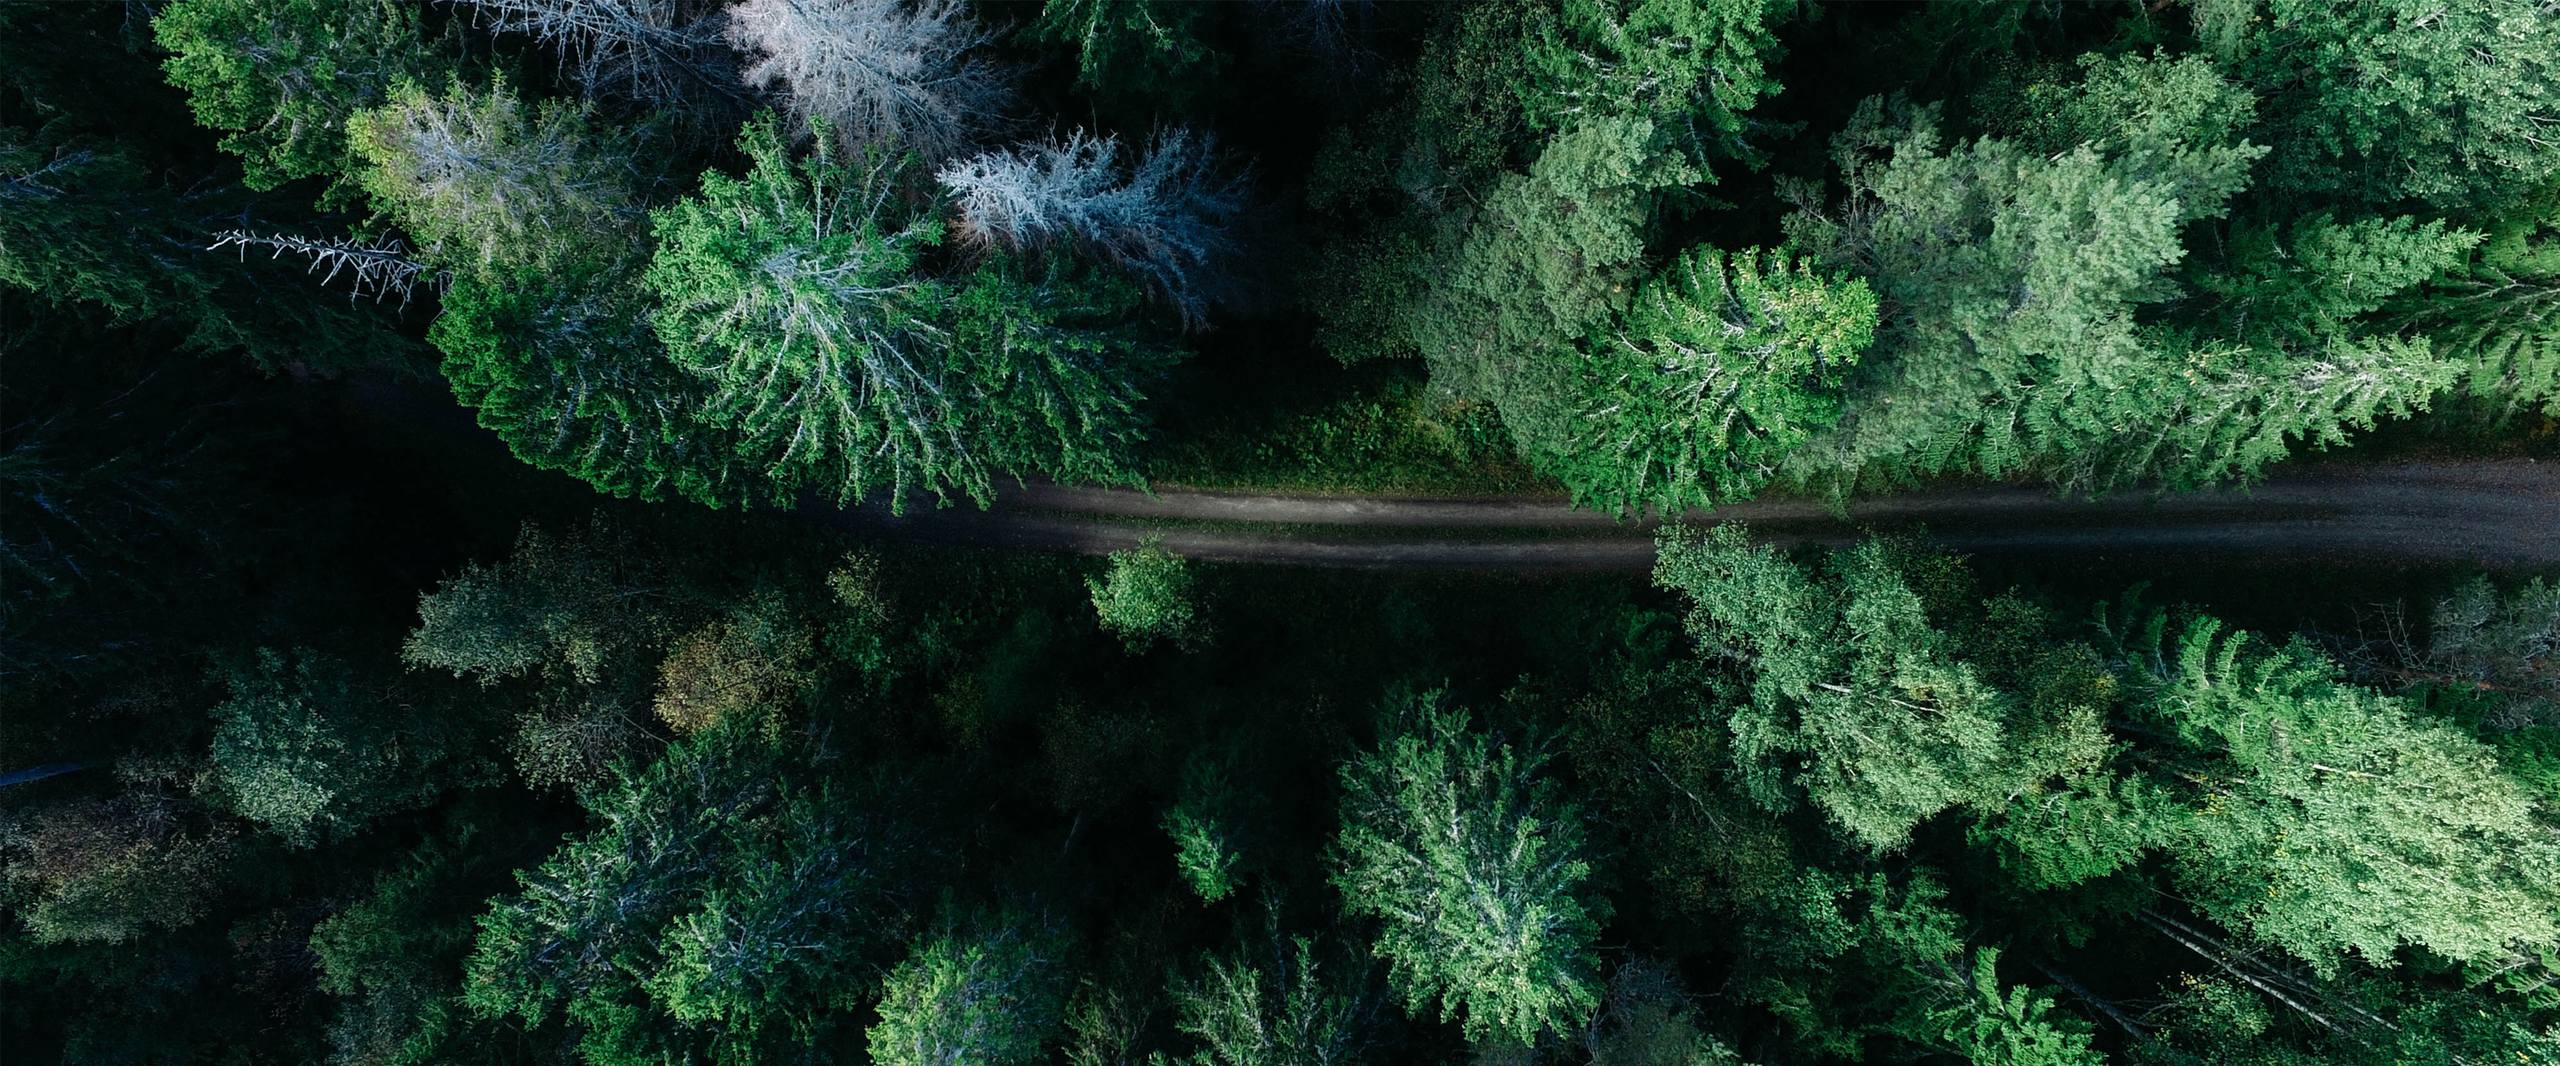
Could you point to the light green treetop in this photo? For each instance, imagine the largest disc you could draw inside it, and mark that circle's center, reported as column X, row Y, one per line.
column 1475, row 873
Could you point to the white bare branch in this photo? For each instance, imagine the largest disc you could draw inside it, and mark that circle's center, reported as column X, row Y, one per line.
column 880, row 73
column 376, row 269
column 1167, row 221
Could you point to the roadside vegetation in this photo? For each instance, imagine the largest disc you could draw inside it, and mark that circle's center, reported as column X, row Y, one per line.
column 428, row 634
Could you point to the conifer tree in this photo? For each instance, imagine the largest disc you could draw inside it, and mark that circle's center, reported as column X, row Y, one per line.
column 284, row 76
column 842, row 368
column 1272, row 1002
column 720, row 904
column 990, row 996
column 1476, row 875
column 1853, row 688
column 1721, row 368
column 2320, row 820
column 2383, row 104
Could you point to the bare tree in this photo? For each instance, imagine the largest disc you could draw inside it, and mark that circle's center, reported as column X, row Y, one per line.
column 657, row 51
column 1167, row 221
column 373, row 268
column 881, row 72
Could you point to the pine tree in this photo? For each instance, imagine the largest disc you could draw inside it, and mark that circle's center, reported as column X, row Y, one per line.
column 1476, row 874
column 2323, row 816
column 284, row 76
column 720, row 905
column 840, row 367
column 1271, row 1002
column 1852, row 682
column 793, row 293
column 991, row 996
column 2018, row 268
column 2380, row 103
column 1695, row 69
column 1720, row 369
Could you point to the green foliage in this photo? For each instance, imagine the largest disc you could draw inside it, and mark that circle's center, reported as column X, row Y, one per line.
column 1376, row 428
column 794, row 294
column 2019, row 270
column 1269, row 1005
column 1398, row 185
column 389, row 957
column 1475, row 872
column 790, row 292
column 1855, row 689
column 284, row 76
column 1721, row 368
column 2015, row 1027
column 1548, row 262
column 491, row 184
column 109, row 871
column 1054, row 369
column 561, row 605
column 990, row 997
column 1206, row 824
column 2500, row 315
column 1146, row 49
column 2320, row 820
column 723, row 901
column 1695, row 68
column 2384, row 103
column 1146, row 595
column 307, row 749
column 757, row 656
column 2326, row 274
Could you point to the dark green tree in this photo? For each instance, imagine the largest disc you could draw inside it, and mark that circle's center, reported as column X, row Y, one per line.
column 284, row 76
column 722, row 904
column 2383, row 104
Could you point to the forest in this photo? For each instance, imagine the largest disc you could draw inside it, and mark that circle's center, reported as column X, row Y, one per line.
column 484, row 572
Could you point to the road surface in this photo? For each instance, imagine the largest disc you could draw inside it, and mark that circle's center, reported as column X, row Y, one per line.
column 2498, row 514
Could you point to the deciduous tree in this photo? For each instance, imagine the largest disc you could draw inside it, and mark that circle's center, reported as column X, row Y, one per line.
column 1146, row 595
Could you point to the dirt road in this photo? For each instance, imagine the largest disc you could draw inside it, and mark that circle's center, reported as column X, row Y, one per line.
column 2496, row 514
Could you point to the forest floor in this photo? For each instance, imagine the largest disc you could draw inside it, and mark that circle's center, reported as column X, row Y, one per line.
column 2493, row 513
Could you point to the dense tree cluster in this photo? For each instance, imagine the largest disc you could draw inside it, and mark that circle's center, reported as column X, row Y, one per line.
column 335, row 727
